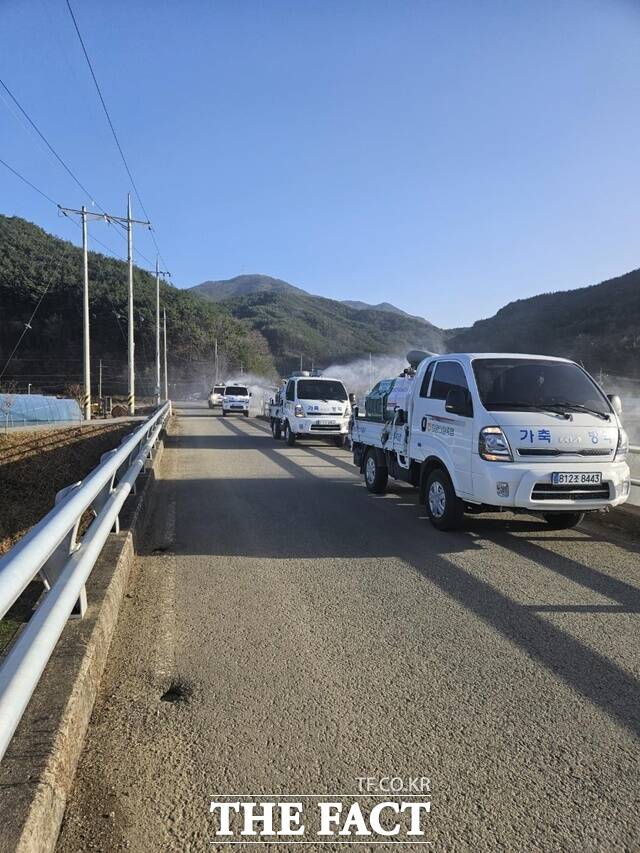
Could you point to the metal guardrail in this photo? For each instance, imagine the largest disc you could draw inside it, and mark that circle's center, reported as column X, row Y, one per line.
column 52, row 550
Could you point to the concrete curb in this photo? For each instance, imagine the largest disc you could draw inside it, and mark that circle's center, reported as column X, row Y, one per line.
column 37, row 772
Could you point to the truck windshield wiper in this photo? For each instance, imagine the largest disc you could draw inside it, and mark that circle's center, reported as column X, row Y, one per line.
column 521, row 404
column 579, row 407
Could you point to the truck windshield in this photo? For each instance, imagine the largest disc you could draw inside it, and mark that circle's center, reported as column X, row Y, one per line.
column 519, row 383
column 321, row 389
column 218, row 389
column 236, row 391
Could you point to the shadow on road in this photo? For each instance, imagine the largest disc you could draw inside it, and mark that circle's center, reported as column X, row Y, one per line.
column 316, row 517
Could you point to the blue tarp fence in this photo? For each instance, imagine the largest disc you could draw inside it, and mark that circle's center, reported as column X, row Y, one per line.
column 31, row 409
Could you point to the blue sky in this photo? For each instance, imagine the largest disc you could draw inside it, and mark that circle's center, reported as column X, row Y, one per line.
column 445, row 156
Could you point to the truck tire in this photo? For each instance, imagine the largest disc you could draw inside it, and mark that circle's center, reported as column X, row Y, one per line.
column 276, row 429
column 563, row 520
column 224, row 414
column 246, row 414
column 340, row 440
column 376, row 475
column 444, row 507
column 289, row 436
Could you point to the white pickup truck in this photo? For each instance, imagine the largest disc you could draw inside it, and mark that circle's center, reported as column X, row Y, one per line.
column 235, row 400
column 311, row 406
column 487, row 432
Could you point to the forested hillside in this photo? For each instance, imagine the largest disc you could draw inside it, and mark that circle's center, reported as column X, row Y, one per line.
column 267, row 325
column 296, row 323
column 34, row 265
column 598, row 325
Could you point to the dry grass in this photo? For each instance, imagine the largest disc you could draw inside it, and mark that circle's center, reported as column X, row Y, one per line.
column 34, row 465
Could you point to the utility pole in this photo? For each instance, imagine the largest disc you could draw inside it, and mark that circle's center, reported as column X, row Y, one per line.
column 300, row 362
column 159, row 272
column 86, row 354
column 166, row 379
column 85, row 215
column 131, row 386
column 215, row 349
column 85, row 319
column 100, row 383
column 157, row 331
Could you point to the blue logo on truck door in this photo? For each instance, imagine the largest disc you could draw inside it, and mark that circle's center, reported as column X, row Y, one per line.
column 437, row 426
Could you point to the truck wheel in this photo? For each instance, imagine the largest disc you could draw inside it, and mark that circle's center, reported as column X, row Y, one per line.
column 375, row 474
column 563, row 520
column 289, row 436
column 444, row 507
column 340, row 440
column 246, row 414
column 224, row 414
column 276, row 429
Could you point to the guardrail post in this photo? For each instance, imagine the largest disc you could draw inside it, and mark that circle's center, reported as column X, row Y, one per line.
column 103, row 496
column 50, row 571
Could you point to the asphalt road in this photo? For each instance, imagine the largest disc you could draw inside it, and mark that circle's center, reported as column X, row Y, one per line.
column 320, row 634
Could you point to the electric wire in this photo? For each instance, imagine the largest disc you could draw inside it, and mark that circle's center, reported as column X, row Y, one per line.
column 68, row 170
column 27, row 327
column 28, row 182
column 49, row 145
column 113, row 130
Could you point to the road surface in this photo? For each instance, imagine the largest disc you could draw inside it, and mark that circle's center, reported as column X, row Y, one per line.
column 314, row 633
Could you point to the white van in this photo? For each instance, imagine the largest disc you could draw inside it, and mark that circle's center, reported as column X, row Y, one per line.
column 488, row 431
column 313, row 406
column 235, row 400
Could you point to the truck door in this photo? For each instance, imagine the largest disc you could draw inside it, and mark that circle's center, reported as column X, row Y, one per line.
column 289, row 401
column 436, row 431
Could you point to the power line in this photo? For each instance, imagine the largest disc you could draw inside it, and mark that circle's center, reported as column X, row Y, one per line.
column 55, row 203
column 113, row 130
column 47, row 143
column 64, row 165
column 27, row 327
column 27, row 182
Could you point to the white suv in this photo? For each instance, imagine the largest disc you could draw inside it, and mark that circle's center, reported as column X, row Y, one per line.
column 215, row 397
column 236, row 400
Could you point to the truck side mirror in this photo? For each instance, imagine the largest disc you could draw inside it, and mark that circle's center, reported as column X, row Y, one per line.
column 352, row 399
column 458, row 402
column 616, row 403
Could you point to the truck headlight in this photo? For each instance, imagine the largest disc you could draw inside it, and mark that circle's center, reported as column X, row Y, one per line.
column 298, row 411
column 493, row 445
column 623, row 446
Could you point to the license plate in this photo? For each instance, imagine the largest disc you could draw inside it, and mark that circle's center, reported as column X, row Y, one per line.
column 565, row 478
column 328, row 423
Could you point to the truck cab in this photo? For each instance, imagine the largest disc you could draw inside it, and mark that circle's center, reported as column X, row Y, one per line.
column 313, row 406
column 236, row 400
column 492, row 431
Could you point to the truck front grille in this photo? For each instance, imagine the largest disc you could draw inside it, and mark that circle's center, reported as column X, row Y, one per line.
column 551, row 492
column 544, row 451
column 325, row 428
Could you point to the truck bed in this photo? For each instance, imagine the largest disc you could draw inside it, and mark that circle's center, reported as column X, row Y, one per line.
column 372, row 433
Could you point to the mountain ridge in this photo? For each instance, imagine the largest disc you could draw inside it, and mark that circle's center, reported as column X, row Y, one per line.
column 218, row 290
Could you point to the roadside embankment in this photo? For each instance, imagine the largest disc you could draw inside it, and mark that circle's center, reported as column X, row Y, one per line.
column 37, row 771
